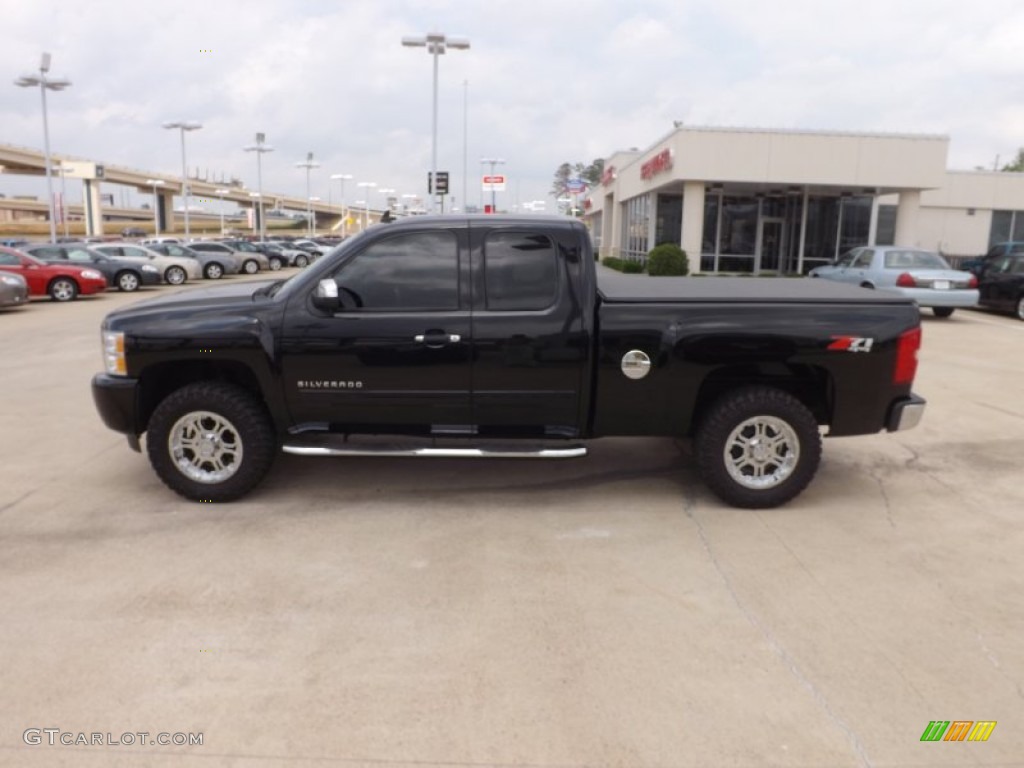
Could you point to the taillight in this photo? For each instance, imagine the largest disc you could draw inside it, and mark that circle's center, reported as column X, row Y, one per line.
column 906, row 357
column 973, row 282
column 906, row 280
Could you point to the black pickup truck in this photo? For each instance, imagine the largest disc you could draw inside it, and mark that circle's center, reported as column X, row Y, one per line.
column 500, row 336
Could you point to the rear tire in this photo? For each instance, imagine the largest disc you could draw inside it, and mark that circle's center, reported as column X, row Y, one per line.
column 63, row 289
column 213, row 271
column 942, row 311
column 758, row 447
column 127, row 282
column 251, row 267
column 275, row 263
column 301, row 261
column 210, row 441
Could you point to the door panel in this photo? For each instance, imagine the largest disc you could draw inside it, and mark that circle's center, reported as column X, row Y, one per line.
column 529, row 343
column 397, row 357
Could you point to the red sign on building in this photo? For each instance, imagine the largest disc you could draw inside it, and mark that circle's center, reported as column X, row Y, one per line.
column 660, row 163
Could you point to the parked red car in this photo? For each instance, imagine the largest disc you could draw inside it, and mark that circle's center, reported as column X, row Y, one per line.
column 59, row 282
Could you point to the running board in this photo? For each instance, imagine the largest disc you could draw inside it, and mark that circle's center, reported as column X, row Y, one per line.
column 506, row 450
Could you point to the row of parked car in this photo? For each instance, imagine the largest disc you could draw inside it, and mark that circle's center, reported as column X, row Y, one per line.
column 66, row 270
column 995, row 280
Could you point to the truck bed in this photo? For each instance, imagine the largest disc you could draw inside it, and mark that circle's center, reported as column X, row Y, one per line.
column 615, row 287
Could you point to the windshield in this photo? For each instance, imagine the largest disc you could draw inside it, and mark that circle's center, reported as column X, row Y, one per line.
column 914, row 260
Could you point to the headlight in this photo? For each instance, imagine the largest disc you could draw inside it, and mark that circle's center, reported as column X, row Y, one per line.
column 149, row 268
column 8, row 280
column 113, row 353
column 91, row 274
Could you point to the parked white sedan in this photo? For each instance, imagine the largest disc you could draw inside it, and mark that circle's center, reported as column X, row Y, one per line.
column 923, row 276
column 175, row 270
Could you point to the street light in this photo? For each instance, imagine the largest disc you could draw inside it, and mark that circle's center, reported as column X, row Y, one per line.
column 492, row 161
column 184, row 125
column 309, row 203
column 154, row 183
column 366, row 215
column 259, row 148
column 63, row 170
column 46, row 84
column 222, row 192
column 309, row 165
column 436, row 44
column 343, row 177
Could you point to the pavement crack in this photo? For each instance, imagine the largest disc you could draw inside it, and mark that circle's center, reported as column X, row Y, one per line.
column 17, row 501
column 787, row 659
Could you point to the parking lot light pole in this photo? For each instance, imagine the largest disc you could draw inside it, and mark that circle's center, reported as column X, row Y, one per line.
column 436, row 44
column 221, row 192
column 309, row 205
column 184, row 125
column 343, row 177
column 309, row 165
column 259, row 148
column 46, row 84
column 366, row 214
column 493, row 161
column 154, row 183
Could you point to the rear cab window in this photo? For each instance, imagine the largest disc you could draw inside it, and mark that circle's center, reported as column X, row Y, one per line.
column 520, row 271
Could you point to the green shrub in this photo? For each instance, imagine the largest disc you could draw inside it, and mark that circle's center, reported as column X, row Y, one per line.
column 613, row 262
column 667, row 259
column 632, row 267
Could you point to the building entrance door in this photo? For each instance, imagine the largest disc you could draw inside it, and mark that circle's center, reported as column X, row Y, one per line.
column 770, row 236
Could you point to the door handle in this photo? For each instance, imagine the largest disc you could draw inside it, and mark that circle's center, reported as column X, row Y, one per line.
column 437, row 339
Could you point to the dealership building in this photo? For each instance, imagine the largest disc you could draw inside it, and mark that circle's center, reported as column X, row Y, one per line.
column 766, row 201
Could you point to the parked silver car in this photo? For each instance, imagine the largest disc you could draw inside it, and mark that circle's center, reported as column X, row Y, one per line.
column 923, row 276
column 175, row 270
column 13, row 290
column 251, row 262
column 214, row 265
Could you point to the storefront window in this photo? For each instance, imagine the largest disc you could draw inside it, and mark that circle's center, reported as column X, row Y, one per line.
column 669, row 226
column 885, row 234
column 820, row 241
column 636, row 229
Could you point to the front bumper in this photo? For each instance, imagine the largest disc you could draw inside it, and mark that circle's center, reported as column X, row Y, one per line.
column 906, row 413
column 116, row 399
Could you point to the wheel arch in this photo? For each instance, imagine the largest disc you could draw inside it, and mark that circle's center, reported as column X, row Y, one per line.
column 160, row 380
column 811, row 385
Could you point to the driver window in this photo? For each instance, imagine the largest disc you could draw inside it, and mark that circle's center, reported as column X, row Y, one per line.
column 408, row 272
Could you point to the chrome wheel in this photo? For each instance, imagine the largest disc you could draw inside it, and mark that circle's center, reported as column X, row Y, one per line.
column 251, row 267
column 301, row 261
column 761, row 452
column 205, row 447
column 175, row 275
column 128, row 282
column 275, row 264
column 63, row 289
column 214, row 271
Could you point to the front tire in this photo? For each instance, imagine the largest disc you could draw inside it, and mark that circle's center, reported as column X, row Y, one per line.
column 63, row 289
column 275, row 263
column 210, row 441
column 301, row 261
column 251, row 267
column 213, row 271
column 758, row 447
column 942, row 311
column 175, row 276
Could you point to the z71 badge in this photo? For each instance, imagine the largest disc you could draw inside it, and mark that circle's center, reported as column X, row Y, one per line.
column 851, row 344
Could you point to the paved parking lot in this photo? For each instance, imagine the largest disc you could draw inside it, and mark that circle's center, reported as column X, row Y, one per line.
column 601, row 612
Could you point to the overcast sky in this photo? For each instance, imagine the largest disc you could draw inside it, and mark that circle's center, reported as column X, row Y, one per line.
column 547, row 81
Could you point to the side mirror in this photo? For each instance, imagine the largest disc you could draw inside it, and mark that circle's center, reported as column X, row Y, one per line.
column 325, row 297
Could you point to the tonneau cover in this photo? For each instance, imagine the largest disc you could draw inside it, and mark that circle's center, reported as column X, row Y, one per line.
column 616, row 287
